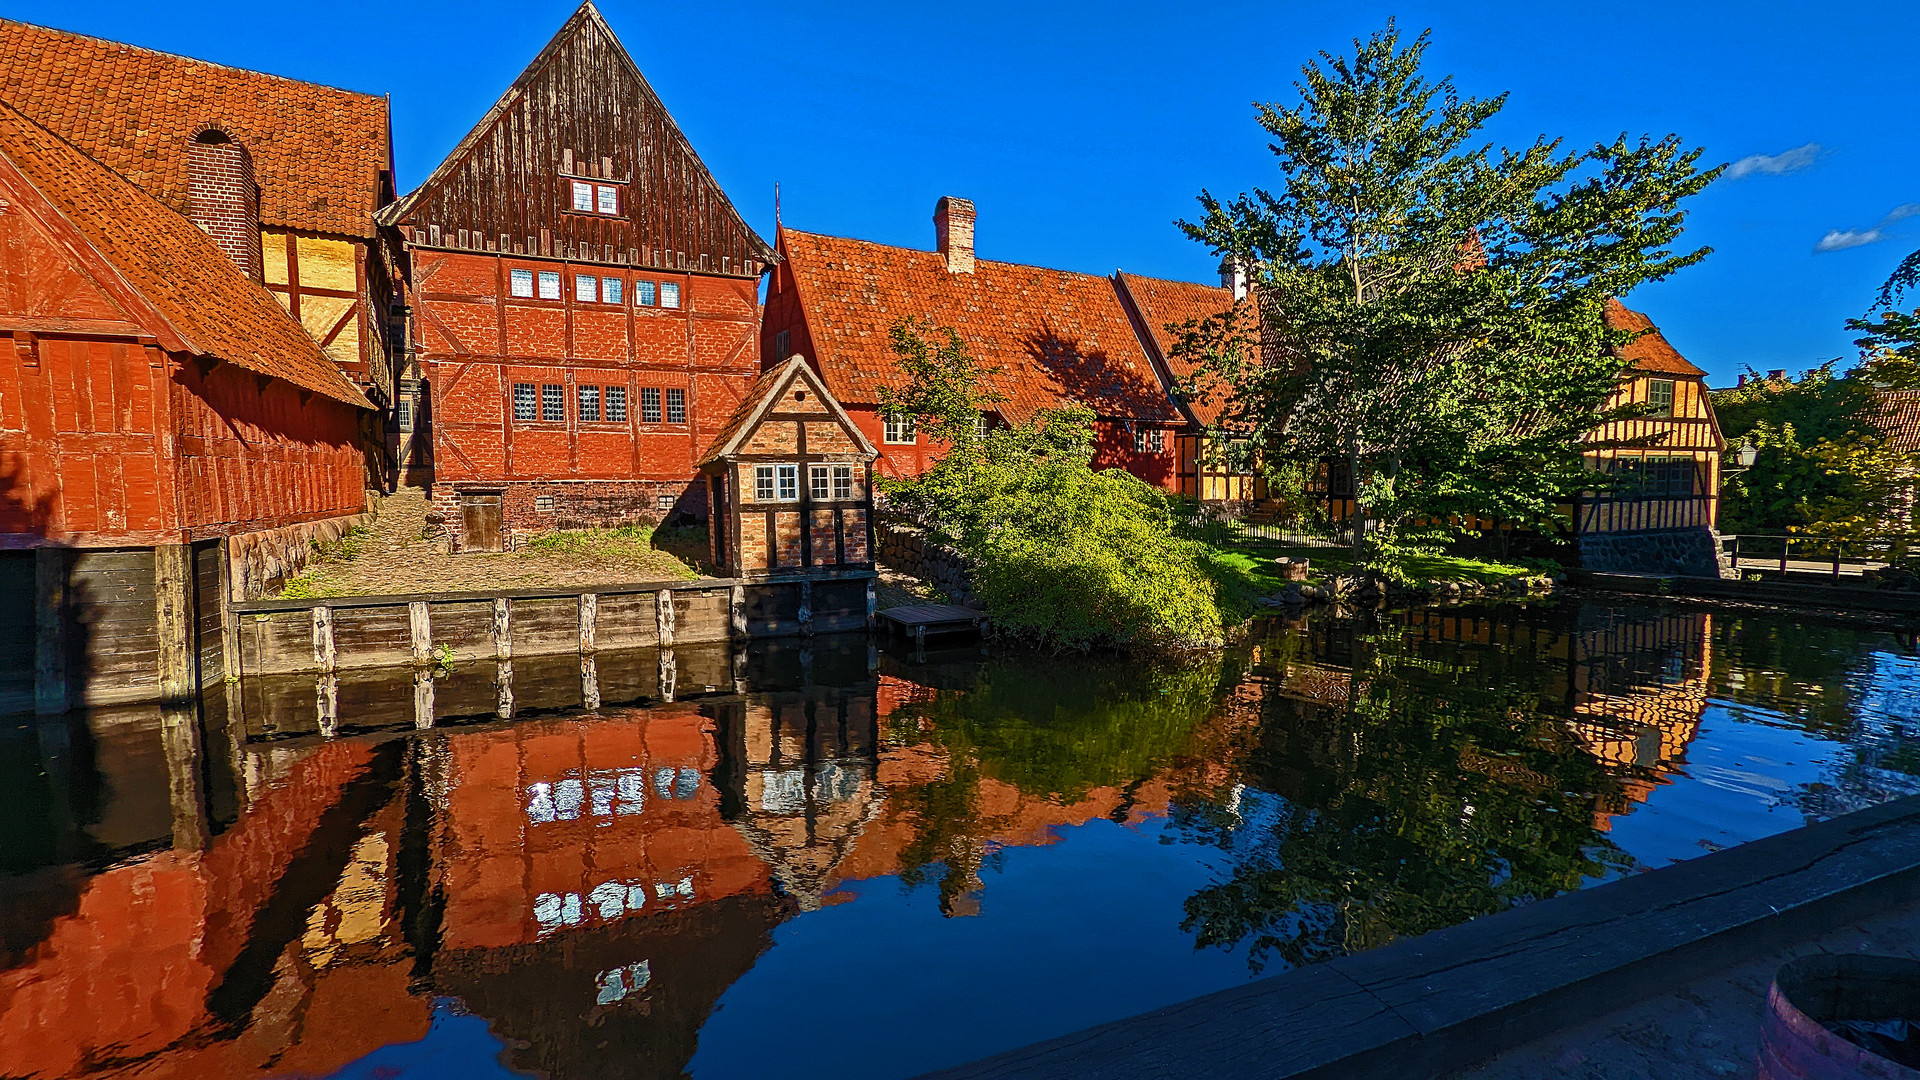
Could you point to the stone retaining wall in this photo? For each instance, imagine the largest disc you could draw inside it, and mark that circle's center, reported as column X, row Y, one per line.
column 909, row 549
column 261, row 562
column 1691, row 552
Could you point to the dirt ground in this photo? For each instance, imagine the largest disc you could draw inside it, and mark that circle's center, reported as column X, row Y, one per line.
column 394, row 556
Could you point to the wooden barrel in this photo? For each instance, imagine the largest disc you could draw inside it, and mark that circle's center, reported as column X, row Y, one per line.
column 1794, row 1042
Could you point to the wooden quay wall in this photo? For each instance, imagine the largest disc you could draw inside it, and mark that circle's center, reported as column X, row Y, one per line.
column 282, row 637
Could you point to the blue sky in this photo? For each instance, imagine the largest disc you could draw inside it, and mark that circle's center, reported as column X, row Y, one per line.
column 1083, row 130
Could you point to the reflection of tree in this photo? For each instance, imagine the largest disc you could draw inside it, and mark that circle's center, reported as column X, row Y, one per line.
column 1026, row 731
column 1439, row 788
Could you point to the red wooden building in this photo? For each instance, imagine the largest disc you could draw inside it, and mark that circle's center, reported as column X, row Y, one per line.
column 152, row 397
column 1057, row 338
column 285, row 174
column 585, row 302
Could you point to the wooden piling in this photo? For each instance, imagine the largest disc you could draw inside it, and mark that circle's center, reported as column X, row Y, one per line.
column 422, row 698
column 173, row 620
column 49, row 631
column 503, row 690
column 323, row 639
column 502, row 628
column 420, row 627
column 663, row 616
column 669, row 675
column 326, row 704
column 589, row 623
column 737, row 612
column 589, row 682
column 183, row 746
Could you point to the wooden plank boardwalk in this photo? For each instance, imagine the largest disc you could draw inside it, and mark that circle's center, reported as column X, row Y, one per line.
column 919, row 620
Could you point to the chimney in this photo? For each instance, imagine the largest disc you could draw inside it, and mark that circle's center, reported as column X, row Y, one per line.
column 953, row 233
column 1741, row 383
column 1777, row 375
column 1233, row 276
column 223, row 199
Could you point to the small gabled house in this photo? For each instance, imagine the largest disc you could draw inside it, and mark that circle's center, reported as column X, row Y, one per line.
column 1050, row 338
column 585, row 303
column 790, row 478
column 1665, row 503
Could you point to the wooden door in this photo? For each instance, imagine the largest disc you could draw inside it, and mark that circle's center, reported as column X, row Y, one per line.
column 209, row 619
column 481, row 523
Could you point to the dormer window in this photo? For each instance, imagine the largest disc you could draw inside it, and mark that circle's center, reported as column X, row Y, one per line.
column 591, row 198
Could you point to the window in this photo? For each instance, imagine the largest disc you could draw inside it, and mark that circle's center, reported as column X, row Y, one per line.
column 403, row 415
column 763, row 483
column 676, row 405
column 843, row 481
column 1149, row 441
column 549, row 284
column 523, row 402
column 586, row 288
column 669, row 294
column 789, row 482
column 520, row 282
column 590, row 198
column 899, row 428
column 643, row 293
column 664, row 502
column 1660, row 396
column 553, row 402
column 782, row 344
column 616, row 404
column 980, row 425
column 543, row 503
column 607, row 198
column 583, row 196
column 610, row 290
column 1653, row 477
column 820, row 482
column 649, row 404
column 588, row 400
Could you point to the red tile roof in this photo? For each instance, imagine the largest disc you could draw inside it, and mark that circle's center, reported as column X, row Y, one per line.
column 1058, row 337
column 1650, row 351
column 189, row 283
column 1896, row 414
column 317, row 151
column 760, row 400
column 1176, row 302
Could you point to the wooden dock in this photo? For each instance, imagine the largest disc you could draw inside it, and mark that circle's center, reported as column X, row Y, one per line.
column 917, row 621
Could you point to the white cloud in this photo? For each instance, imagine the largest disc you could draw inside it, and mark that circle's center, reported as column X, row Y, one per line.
column 1901, row 213
column 1842, row 239
column 1785, row 161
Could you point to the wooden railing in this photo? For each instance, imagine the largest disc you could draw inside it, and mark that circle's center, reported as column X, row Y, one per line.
column 1793, row 553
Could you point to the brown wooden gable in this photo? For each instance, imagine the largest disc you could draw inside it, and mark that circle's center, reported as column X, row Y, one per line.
column 828, row 427
column 581, row 111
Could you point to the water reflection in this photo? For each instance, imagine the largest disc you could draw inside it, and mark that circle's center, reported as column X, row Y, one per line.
column 308, row 875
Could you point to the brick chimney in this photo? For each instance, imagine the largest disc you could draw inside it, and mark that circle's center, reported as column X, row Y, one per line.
column 953, row 233
column 223, row 199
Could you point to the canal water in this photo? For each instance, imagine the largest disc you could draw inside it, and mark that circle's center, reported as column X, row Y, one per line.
column 833, row 859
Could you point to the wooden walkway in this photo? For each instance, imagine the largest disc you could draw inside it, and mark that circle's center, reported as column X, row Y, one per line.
column 919, row 620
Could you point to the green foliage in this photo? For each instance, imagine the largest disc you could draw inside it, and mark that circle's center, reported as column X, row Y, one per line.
column 1819, row 468
column 1436, row 304
column 1064, row 556
column 1891, row 338
column 944, row 390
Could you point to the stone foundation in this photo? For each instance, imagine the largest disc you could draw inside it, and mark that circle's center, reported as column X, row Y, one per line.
column 906, row 548
column 259, row 563
column 1691, row 552
column 534, row 507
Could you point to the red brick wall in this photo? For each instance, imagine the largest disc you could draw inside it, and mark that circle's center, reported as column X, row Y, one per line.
column 224, row 200
column 575, row 504
column 477, row 340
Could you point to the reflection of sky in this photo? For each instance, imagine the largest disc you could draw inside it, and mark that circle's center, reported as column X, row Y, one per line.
column 1070, row 934
column 457, row 1044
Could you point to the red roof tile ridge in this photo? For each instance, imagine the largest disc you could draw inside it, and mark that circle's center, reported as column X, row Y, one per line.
column 184, row 58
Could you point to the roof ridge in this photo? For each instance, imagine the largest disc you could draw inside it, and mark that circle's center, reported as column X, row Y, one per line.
column 75, row 34
column 936, row 254
column 1171, row 281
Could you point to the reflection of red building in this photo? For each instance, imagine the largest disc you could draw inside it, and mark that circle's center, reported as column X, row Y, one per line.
column 570, row 824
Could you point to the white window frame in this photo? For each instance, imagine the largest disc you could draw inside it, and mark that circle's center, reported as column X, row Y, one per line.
column 899, row 429
column 606, row 199
column 645, row 293
column 669, row 294
column 788, row 478
column 763, row 483
column 582, row 197
column 842, row 482
column 543, row 504
column 549, row 284
column 820, row 482
column 520, row 283
column 611, row 290
column 586, row 288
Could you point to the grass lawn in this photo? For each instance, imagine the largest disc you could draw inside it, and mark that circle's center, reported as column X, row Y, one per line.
column 1243, row 570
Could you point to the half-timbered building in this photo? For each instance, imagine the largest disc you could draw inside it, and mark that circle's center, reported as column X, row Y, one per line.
column 154, row 400
column 790, row 479
column 1044, row 338
column 284, row 175
column 585, row 302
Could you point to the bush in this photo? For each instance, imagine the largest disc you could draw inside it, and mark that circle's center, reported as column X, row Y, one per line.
column 1064, row 555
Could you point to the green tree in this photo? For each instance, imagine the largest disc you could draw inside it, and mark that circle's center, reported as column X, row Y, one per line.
column 1437, row 303
column 1891, row 338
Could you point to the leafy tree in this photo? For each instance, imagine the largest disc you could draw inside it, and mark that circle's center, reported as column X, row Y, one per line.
column 1437, row 303
column 1891, row 341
